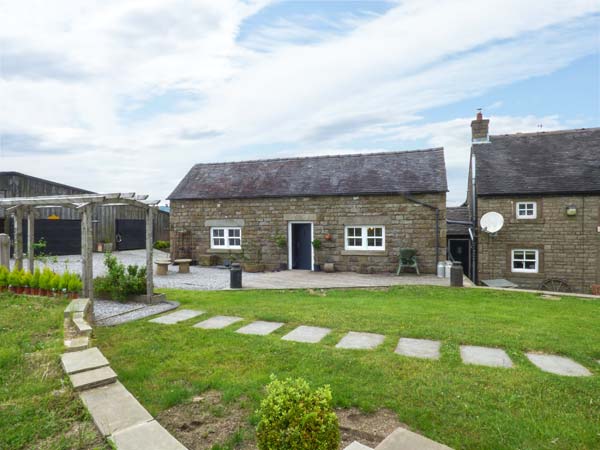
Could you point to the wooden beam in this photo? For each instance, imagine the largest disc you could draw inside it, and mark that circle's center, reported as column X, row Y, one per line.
column 30, row 240
column 149, row 252
column 53, row 200
column 18, row 244
column 87, row 269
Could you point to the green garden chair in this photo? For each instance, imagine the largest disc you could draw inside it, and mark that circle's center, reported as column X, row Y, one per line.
column 408, row 258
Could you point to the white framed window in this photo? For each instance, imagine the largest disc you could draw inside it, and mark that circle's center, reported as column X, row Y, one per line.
column 226, row 237
column 366, row 237
column 526, row 210
column 525, row 260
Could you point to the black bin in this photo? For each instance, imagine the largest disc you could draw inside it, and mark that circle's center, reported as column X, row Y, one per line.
column 235, row 276
column 456, row 274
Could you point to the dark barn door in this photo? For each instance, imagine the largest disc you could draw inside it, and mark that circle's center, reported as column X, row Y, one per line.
column 459, row 251
column 130, row 234
column 63, row 237
column 301, row 246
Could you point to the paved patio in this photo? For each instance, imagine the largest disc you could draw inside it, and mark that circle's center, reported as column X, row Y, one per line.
column 210, row 278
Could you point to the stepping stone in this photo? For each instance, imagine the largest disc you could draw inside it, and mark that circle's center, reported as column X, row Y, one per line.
column 89, row 359
column 177, row 316
column 217, row 322
column 310, row 335
column 147, row 436
column 113, row 408
column 79, row 305
column 419, row 348
column 357, row 446
column 558, row 365
column 361, row 341
column 403, row 439
column 260, row 328
column 76, row 344
column 82, row 327
column 485, row 356
column 93, row 378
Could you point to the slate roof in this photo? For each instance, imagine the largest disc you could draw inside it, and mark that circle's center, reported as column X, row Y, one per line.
column 460, row 213
column 419, row 171
column 558, row 162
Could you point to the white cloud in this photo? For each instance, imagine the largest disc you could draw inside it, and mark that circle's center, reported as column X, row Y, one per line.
column 311, row 92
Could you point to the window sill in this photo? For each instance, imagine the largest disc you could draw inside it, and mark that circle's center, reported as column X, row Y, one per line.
column 364, row 253
column 224, row 250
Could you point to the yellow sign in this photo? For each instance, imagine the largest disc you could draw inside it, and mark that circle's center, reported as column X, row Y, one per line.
column 53, row 217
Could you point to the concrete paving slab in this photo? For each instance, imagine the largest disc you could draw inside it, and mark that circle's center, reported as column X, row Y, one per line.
column 79, row 305
column 89, row 379
column 361, row 341
column 403, row 439
column 145, row 436
column 76, row 344
column 260, row 328
column 83, row 360
column 485, row 356
column 113, row 408
column 82, row 327
column 218, row 322
column 419, row 348
column 558, row 365
column 310, row 335
column 357, row 446
column 177, row 316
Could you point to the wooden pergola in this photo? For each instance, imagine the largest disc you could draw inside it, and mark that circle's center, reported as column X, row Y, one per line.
column 21, row 207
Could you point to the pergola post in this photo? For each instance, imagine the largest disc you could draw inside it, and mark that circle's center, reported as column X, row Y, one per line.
column 149, row 252
column 31, row 240
column 18, row 245
column 87, row 269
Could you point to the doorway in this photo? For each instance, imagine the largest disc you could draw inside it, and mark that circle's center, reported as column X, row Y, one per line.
column 300, row 249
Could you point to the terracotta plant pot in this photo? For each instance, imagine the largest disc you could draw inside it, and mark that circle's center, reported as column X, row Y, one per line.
column 595, row 289
column 12, row 289
column 19, row 290
column 27, row 290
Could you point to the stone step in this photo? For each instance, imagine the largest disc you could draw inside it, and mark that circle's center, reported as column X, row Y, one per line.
column 145, row 436
column 113, row 408
column 403, row 439
column 79, row 305
column 74, row 362
column 76, row 344
column 357, row 446
column 82, row 327
column 90, row 379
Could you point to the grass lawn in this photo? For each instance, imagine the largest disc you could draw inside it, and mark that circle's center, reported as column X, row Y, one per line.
column 38, row 409
column 459, row 405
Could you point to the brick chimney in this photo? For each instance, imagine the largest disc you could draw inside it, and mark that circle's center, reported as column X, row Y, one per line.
column 479, row 129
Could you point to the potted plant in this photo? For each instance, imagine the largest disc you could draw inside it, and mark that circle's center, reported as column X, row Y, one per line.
column 255, row 262
column 3, row 278
column 595, row 289
column 55, row 284
column 281, row 243
column 26, row 278
column 317, row 246
column 35, row 282
column 18, row 281
column 74, row 286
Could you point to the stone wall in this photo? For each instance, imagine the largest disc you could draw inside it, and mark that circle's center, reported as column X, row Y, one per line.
column 569, row 246
column 407, row 225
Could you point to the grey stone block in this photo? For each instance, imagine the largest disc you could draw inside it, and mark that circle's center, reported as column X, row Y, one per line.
column 76, row 344
column 113, row 408
column 485, row 356
column 558, row 365
column 89, row 359
column 361, row 341
column 403, row 439
column 419, row 348
column 218, row 322
column 310, row 335
column 177, row 316
column 260, row 328
column 89, row 379
column 82, row 327
column 79, row 305
column 146, row 436
column 357, row 446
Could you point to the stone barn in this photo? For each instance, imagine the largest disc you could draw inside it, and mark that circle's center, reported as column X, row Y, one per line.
column 358, row 210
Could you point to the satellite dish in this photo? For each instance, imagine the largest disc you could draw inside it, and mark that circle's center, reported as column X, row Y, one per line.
column 492, row 222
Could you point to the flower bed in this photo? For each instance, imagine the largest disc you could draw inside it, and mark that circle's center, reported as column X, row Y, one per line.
column 41, row 282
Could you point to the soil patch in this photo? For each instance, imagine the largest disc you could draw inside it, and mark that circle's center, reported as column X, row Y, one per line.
column 207, row 421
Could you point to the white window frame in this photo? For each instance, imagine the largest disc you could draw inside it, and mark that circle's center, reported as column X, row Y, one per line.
column 524, row 270
column 226, row 237
column 526, row 216
column 364, row 236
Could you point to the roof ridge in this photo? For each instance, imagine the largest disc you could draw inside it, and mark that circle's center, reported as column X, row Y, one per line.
column 540, row 133
column 339, row 155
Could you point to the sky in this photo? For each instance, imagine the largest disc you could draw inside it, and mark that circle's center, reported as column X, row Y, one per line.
column 126, row 95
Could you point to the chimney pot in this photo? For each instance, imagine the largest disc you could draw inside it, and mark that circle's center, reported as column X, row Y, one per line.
column 479, row 116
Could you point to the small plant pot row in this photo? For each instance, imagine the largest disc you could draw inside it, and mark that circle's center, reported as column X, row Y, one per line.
column 25, row 290
column 41, row 283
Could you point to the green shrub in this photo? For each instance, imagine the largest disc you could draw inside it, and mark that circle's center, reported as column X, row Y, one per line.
column 162, row 245
column 75, row 284
column 26, row 279
column 121, row 282
column 4, row 276
column 14, row 278
column 294, row 417
column 35, row 279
